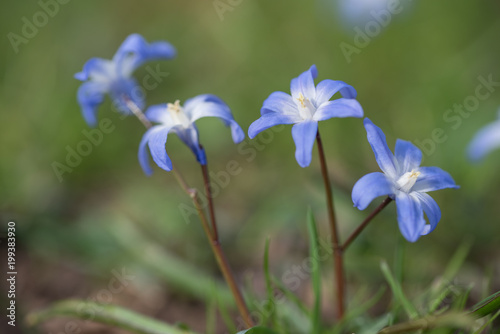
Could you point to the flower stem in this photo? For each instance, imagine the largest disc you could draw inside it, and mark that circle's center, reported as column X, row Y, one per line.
column 208, row 191
column 337, row 250
column 137, row 112
column 223, row 263
column 219, row 254
column 213, row 238
column 365, row 223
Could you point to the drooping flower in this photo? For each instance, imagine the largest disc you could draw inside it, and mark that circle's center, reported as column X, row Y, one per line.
column 404, row 181
column 305, row 107
column 114, row 77
column 486, row 140
column 173, row 117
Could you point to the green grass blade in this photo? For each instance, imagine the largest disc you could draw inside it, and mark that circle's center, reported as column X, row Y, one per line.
column 460, row 302
column 258, row 330
column 438, row 299
column 226, row 317
column 446, row 320
column 452, row 269
column 457, row 261
column 178, row 273
column 376, row 325
column 487, row 306
column 106, row 314
column 397, row 291
column 356, row 312
column 291, row 296
column 315, row 272
column 489, row 322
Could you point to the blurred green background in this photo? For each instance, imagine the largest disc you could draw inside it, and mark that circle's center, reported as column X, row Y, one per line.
column 428, row 59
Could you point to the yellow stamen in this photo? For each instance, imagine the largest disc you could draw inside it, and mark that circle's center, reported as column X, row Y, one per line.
column 302, row 100
column 174, row 107
column 414, row 174
column 407, row 180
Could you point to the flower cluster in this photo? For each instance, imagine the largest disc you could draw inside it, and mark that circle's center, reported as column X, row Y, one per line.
column 114, row 77
column 403, row 180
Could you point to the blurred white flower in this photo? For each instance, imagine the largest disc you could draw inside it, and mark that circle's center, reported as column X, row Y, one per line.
column 359, row 12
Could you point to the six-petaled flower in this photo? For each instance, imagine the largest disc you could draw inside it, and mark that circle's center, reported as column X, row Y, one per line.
column 485, row 141
column 306, row 105
column 173, row 117
column 403, row 180
column 114, row 77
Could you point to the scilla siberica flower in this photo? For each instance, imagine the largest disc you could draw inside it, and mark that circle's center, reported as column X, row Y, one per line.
column 180, row 119
column 485, row 141
column 305, row 107
column 114, row 77
column 403, row 180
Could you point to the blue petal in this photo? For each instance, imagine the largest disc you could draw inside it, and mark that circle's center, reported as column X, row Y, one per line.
column 142, row 154
column 370, row 187
column 90, row 95
column 433, row 178
column 159, row 114
column 191, row 103
column 156, row 141
column 212, row 106
column 97, row 69
column 281, row 103
column 201, row 157
column 269, row 120
column 124, row 89
column 305, row 84
column 304, row 134
column 190, row 137
column 407, row 155
column 338, row 108
column 327, row 88
column 383, row 154
column 431, row 210
column 485, row 141
column 135, row 51
column 410, row 216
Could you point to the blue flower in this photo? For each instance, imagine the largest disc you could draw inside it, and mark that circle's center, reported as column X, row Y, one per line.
column 307, row 105
column 368, row 17
column 403, row 180
column 114, row 77
column 359, row 12
column 180, row 119
column 485, row 141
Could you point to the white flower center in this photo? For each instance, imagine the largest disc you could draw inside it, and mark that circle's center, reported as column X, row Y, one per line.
column 178, row 115
column 407, row 180
column 105, row 73
column 306, row 108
